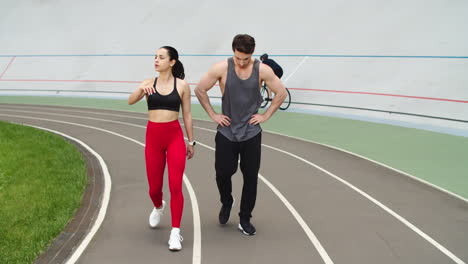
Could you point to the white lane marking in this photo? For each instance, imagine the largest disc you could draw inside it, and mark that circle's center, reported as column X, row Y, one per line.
column 381, row 164
column 74, row 116
column 301, row 139
column 312, row 237
column 196, row 258
column 288, row 205
column 105, row 198
column 297, row 68
column 375, row 201
column 320, row 249
column 196, row 214
column 84, row 112
column 385, row 208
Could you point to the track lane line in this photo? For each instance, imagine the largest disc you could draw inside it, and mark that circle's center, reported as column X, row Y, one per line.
column 296, row 138
column 301, row 139
column 373, row 200
column 105, row 199
column 196, row 259
column 312, row 237
column 411, row 226
column 367, row 196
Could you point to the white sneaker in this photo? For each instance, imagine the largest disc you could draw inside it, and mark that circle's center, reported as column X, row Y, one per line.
column 155, row 216
column 175, row 240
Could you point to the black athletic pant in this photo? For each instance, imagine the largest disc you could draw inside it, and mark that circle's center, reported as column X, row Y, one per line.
column 226, row 162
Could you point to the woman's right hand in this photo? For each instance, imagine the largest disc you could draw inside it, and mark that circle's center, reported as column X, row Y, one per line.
column 144, row 88
column 147, row 87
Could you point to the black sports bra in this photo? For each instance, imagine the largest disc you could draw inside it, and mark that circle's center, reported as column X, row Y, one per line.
column 170, row 102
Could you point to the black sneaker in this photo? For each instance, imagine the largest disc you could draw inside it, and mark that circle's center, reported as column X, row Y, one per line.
column 225, row 212
column 247, row 228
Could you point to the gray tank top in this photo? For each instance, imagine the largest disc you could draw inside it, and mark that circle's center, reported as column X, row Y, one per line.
column 241, row 100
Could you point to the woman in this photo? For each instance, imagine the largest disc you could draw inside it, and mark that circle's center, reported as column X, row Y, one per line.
column 164, row 137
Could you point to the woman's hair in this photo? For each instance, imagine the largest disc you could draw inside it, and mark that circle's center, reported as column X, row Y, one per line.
column 178, row 68
column 243, row 43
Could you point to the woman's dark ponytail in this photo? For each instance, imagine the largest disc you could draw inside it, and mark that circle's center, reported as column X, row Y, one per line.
column 178, row 68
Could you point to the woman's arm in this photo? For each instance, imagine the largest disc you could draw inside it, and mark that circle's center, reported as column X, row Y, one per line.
column 146, row 87
column 187, row 116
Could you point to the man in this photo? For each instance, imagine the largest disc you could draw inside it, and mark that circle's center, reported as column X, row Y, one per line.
column 239, row 132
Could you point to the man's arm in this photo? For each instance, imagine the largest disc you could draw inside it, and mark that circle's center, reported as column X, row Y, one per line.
column 207, row 82
column 277, row 87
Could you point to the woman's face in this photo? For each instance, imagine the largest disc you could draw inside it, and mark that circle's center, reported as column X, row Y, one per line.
column 162, row 61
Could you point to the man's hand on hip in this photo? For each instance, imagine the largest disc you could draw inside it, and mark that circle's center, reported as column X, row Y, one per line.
column 257, row 119
column 221, row 120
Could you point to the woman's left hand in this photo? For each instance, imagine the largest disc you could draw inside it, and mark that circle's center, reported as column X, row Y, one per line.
column 190, row 151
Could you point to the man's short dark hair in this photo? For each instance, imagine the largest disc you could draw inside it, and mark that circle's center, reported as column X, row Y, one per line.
column 243, row 43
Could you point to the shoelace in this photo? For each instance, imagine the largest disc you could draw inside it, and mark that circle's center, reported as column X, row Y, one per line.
column 179, row 237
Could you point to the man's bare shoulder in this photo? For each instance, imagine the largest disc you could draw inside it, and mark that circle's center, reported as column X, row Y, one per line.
column 219, row 67
column 265, row 70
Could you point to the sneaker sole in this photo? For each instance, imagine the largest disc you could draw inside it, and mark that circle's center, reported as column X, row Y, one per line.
column 245, row 233
column 232, row 206
column 175, row 249
column 155, row 226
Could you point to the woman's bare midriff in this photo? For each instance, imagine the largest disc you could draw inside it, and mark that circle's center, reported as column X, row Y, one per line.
column 161, row 116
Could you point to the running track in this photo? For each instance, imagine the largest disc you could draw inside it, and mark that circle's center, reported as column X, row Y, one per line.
column 315, row 204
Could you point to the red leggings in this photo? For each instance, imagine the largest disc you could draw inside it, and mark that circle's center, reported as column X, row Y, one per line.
column 165, row 141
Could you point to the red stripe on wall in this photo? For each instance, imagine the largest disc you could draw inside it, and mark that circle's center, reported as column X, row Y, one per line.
column 298, row 89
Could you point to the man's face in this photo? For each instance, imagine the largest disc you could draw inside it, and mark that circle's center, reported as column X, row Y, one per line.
column 241, row 59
